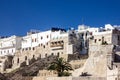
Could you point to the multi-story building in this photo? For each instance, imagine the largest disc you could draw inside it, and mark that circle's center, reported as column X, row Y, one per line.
column 108, row 35
column 8, row 48
column 34, row 45
column 85, row 33
column 59, row 42
column 64, row 43
column 56, row 42
column 9, row 45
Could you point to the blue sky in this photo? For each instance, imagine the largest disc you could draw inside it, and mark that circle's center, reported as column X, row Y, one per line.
column 19, row 16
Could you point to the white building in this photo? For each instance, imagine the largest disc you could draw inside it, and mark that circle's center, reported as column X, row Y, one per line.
column 37, row 39
column 8, row 48
column 85, row 32
column 9, row 45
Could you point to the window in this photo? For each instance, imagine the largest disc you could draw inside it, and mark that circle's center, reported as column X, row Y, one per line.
column 12, row 50
column 82, row 35
column 58, row 54
column 61, row 42
column 102, row 38
column 118, row 37
column 40, row 56
column 0, row 61
column 23, row 49
column 46, row 55
column 44, row 46
column 47, row 43
column 86, row 34
column 33, row 56
column 99, row 39
column 95, row 40
column 25, row 57
column 18, row 60
column 41, row 38
column 35, row 40
column 8, row 51
column 33, row 48
column 41, row 44
column 116, row 79
column 52, row 54
column 47, row 36
column 26, row 49
column 90, row 33
column 29, row 48
column 32, row 40
column 4, row 51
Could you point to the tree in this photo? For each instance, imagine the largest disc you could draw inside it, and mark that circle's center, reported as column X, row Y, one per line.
column 62, row 67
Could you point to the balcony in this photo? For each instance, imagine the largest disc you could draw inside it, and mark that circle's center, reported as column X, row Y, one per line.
column 57, row 45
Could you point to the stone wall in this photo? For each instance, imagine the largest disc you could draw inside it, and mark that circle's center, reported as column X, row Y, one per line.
column 69, row 78
column 29, row 56
column 88, row 78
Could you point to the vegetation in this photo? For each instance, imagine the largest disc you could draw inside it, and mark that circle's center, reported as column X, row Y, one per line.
column 62, row 67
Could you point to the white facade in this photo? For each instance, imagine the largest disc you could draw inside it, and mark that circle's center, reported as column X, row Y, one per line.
column 58, row 35
column 84, row 28
column 109, row 27
column 36, row 39
column 8, row 46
